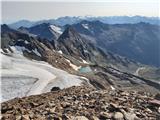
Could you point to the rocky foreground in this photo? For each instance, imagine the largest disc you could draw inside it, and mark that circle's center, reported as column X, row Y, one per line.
column 84, row 103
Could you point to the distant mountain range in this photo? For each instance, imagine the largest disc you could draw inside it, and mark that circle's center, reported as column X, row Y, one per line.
column 139, row 41
column 72, row 20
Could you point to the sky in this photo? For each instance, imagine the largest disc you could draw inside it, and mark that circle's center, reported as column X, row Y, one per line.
column 37, row 10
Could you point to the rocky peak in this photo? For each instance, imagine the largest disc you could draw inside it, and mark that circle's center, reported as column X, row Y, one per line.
column 5, row 28
column 70, row 32
column 43, row 25
column 42, row 30
column 72, row 43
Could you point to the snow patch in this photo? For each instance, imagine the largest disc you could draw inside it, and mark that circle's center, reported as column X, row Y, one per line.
column 85, row 61
column 60, row 51
column 18, row 49
column 85, row 26
column 73, row 66
column 26, row 42
column 36, row 52
column 56, row 29
column 112, row 87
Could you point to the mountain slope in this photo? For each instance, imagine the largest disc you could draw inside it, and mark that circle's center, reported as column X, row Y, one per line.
column 44, row 30
column 84, row 103
column 139, row 41
column 74, row 54
column 73, row 44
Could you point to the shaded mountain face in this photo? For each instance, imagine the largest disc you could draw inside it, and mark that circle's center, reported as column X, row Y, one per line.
column 139, row 41
column 5, row 29
column 44, row 30
column 73, row 44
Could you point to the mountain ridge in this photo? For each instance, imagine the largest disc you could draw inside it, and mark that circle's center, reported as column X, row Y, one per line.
column 72, row 20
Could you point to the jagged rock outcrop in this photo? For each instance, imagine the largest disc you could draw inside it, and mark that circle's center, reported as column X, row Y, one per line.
column 32, row 47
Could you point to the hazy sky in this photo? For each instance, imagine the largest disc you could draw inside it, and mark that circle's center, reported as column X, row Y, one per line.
column 16, row 10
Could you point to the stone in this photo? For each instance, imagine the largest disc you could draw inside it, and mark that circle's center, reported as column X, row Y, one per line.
column 25, row 117
column 31, row 115
column 52, row 110
column 159, row 109
column 148, row 110
column 79, row 118
column 155, row 102
column 65, row 104
column 118, row 116
column 129, row 116
column 105, row 115
column 55, row 89
column 51, row 104
column 95, row 118
column 18, row 117
column 157, row 96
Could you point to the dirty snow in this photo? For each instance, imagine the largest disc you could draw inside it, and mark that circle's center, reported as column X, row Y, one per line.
column 85, row 62
column 22, row 77
column 139, row 69
column 18, row 49
column 73, row 66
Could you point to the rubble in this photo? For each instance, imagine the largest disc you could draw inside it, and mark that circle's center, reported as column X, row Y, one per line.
column 83, row 103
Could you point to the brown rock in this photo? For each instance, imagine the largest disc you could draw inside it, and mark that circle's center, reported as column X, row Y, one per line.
column 95, row 118
column 52, row 110
column 65, row 104
column 129, row 116
column 155, row 102
column 157, row 96
column 18, row 117
column 105, row 115
column 25, row 117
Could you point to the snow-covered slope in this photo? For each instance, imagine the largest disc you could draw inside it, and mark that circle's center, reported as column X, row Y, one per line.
column 23, row 77
column 56, row 29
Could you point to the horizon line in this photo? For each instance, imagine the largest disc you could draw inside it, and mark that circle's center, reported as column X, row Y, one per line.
column 85, row 16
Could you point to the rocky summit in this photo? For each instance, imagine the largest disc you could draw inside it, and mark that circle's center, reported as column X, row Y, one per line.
column 83, row 103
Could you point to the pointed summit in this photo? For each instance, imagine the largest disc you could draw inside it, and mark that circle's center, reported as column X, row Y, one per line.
column 45, row 30
column 70, row 32
column 72, row 43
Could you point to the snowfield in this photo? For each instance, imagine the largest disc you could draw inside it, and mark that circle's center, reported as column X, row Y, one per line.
column 23, row 77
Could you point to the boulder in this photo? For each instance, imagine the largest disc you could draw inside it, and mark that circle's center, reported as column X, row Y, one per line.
column 118, row 116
